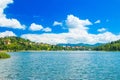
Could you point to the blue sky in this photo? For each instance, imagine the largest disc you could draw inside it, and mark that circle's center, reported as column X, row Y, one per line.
column 61, row 21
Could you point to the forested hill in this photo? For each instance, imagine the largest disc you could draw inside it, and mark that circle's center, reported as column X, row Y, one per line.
column 113, row 46
column 17, row 43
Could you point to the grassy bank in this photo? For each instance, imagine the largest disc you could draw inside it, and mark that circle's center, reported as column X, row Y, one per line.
column 4, row 55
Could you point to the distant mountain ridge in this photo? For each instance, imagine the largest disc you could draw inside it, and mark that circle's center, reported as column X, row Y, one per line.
column 81, row 44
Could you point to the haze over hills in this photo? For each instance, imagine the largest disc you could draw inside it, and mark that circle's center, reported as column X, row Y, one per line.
column 81, row 44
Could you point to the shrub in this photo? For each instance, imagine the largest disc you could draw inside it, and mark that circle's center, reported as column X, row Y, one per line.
column 4, row 55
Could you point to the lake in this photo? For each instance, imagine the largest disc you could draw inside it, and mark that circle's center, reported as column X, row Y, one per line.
column 61, row 65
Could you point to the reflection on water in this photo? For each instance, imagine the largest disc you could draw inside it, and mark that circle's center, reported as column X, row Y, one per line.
column 78, row 65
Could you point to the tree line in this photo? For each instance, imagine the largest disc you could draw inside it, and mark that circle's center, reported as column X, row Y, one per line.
column 17, row 44
column 112, row 46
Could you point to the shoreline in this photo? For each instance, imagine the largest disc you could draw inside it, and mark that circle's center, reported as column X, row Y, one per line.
column 59, row 51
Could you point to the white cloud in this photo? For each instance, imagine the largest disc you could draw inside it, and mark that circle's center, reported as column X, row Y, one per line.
column 56, row 23
column 101, row 30
column 47, row 29
column 7, row 34
column 46, row 38
column 38, row 27
column 77, row 33
column 97, row 22
column 76, row 25
column 35, row 27
column 6, row 22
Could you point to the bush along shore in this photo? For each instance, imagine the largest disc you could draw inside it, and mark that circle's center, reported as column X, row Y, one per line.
column 4, row 55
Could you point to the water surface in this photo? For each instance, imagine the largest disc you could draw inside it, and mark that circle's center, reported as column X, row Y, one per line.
column 71, row 65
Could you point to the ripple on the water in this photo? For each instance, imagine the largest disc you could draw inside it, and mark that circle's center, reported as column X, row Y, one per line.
column 61, row 66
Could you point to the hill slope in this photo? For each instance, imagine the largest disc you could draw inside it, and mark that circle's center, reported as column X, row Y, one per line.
column 113, row 46
column 17, row 43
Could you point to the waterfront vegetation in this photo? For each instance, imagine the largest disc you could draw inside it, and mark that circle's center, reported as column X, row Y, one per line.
column 4, row 55
column 112, row 46
column 19, row 44
column 10, row 44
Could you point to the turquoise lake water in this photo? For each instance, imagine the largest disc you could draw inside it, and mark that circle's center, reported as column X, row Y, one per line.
column 71, row 65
